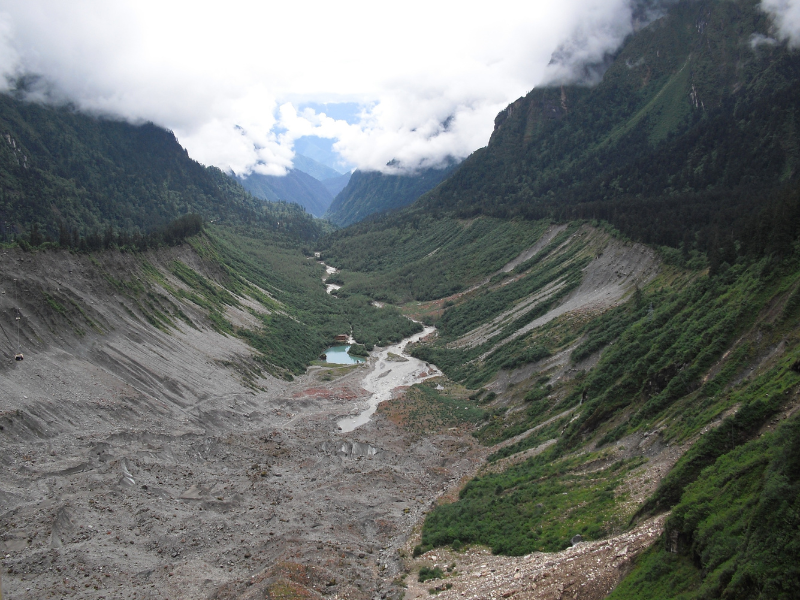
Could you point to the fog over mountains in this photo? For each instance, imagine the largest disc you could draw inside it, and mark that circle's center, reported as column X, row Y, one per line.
column 237, row 100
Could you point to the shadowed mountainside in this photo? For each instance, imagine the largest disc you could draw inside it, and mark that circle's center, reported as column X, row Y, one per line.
column 60, row 168
column 296, row 186
column 371, row 193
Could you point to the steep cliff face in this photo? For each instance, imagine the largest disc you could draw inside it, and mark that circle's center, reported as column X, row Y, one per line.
column 694, row 57
column 696, row 101
column 522, row 121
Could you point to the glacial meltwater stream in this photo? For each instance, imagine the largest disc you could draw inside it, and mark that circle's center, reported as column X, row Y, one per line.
column 390, row 368
column 329, row 287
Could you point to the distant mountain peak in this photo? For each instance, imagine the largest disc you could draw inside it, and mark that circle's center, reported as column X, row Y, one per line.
column 373, row 192
column 316, row 169
column 296, row 186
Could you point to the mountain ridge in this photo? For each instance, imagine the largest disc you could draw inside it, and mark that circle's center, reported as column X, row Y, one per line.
column 296, row 186
column 370, row 193
column 690, row 105
column 61, row 169
column 317, row 170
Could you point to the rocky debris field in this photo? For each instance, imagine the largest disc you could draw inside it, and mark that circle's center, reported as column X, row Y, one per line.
column 206, row 506
column 587, row 570
column 144, row 462
column 138, row 463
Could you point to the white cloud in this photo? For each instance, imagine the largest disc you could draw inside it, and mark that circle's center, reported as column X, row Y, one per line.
column 787, row 18
column 9, row 59
column 600, row 30
column 227, row 77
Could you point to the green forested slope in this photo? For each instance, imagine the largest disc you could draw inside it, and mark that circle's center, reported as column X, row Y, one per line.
column 675, row 358
column 686, row 138
column 734, row 534
column 61, row 168
column 307, row 319
column 688, row 141
column 688, row 144
column 420, row 256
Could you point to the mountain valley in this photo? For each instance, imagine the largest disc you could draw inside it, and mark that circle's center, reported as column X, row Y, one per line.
column 159, row 458
column 310, row 184
column 586, row 334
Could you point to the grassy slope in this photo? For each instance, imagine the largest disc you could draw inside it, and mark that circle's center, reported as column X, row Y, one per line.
column 734, row 532
column 423, row 257
column 694, row 360
column 558, row 266
column 310, row 318
column 675, row 358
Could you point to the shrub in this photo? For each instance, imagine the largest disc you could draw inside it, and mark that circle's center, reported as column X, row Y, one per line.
column 426, row 573
column 358, row 350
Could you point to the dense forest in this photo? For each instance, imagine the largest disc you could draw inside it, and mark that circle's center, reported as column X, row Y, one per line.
column 64, row 173
column 689, row 140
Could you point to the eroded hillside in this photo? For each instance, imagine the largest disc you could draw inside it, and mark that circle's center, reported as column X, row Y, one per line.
column 148, row 449
column 611, row 374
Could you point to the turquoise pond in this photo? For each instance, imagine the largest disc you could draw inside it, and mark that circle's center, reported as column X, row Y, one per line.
column 338, row 355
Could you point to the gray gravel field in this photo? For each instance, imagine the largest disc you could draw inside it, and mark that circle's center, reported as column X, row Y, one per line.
column 138, row 463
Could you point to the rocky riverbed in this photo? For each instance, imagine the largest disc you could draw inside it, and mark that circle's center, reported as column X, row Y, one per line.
column 389, row 369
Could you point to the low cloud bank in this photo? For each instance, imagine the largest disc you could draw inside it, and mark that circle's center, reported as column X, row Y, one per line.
column 228, row 78
column 787, row 19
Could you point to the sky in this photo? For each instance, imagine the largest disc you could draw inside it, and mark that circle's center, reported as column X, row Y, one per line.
column 239, row 82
